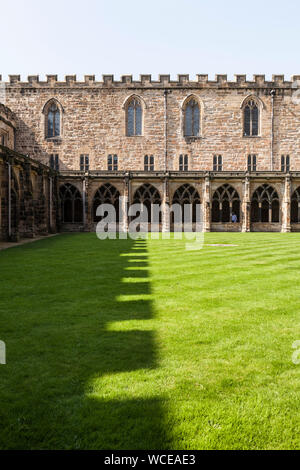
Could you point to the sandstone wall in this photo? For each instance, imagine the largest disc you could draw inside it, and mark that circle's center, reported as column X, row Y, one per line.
column 94, row 122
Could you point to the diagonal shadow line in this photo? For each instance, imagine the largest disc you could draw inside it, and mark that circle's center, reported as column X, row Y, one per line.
column 80, row 383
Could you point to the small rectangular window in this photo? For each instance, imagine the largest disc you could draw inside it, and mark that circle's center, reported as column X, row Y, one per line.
column 115, row 162
column 109, row 162
column 180, row 162
column 217, row 163
column 285, row 163
column 251, row 162
column 81, row 163
column 54, row 161
column 183, row 162
column 84, row 162
column 3, row 139
column 220, row 163
column 149, row 163
column 186, row 163
column 112, row 162
column 146, row 160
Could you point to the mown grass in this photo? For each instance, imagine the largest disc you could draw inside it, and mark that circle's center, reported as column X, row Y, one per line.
column 124, row 344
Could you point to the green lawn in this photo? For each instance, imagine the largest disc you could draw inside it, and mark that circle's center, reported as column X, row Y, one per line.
column 124, row 344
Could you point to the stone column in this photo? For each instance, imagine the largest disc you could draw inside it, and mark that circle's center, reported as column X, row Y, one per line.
column 84, row 201
column 286, row 206
column 125, row 203
column 29, row 203
column 206, row 205
column 50, row 204
column 166, row 206
column 9, row 199
column 246, row 205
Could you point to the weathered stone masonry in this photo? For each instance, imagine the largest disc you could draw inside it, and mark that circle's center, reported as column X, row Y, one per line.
column 28, row 189
column 93, row 122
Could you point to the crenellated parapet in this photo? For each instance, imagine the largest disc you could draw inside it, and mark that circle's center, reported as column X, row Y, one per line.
column 146, row 81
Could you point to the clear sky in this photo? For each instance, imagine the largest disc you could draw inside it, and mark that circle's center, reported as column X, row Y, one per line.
column 159, row 36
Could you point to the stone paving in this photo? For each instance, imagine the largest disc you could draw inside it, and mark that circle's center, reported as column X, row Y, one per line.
column 23, row 241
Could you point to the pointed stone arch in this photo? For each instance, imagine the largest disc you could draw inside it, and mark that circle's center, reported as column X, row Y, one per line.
column 148, row 195
column 225, row 202
column 71, row 204
column 265, row 205
column 53, row 119
column 192, row 111
column 186, row 194
column 295, row 206
column 106, row 194
column 252, row 107
column 134, row 107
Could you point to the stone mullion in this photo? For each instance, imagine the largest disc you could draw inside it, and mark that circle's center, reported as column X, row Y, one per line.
column 259, row 211
column 125, row 203
column 166, row 207
column 50, row 203
column 230, row 211
column 206, row 205
column 29, row 203
column 83, row 202
column 286, row 206
column 86, row 203
column 246, row 206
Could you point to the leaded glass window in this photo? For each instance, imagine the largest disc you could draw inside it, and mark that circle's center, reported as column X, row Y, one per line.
column 84, row 162
column 251, row 162
column 112, row 162
column 183, row 162
column 134, row 117
column 192, row 119
column 217, row 163
column 285, row 163
column 53, row 121
column 251, row 119
column 149, row 163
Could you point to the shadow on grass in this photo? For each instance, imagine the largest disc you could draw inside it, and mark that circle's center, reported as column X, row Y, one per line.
column 78, row 372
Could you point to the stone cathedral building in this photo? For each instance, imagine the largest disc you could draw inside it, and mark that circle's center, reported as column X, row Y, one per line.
column 233, row 146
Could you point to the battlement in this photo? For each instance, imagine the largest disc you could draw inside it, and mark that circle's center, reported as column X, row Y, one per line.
column 145, row 81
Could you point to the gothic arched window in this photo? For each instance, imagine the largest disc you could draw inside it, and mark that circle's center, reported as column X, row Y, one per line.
column 251, row 118
column 106, row 194
column 134, row 117
column 187, row 195
column 53, row 121
column 53, row 118
column 191, row 118
column 265, row 205
column 225, row 203
column 71, row 204
column 295, row 207
column 147, row 195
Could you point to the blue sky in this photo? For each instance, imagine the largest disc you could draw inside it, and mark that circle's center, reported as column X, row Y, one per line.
column 161, row 36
